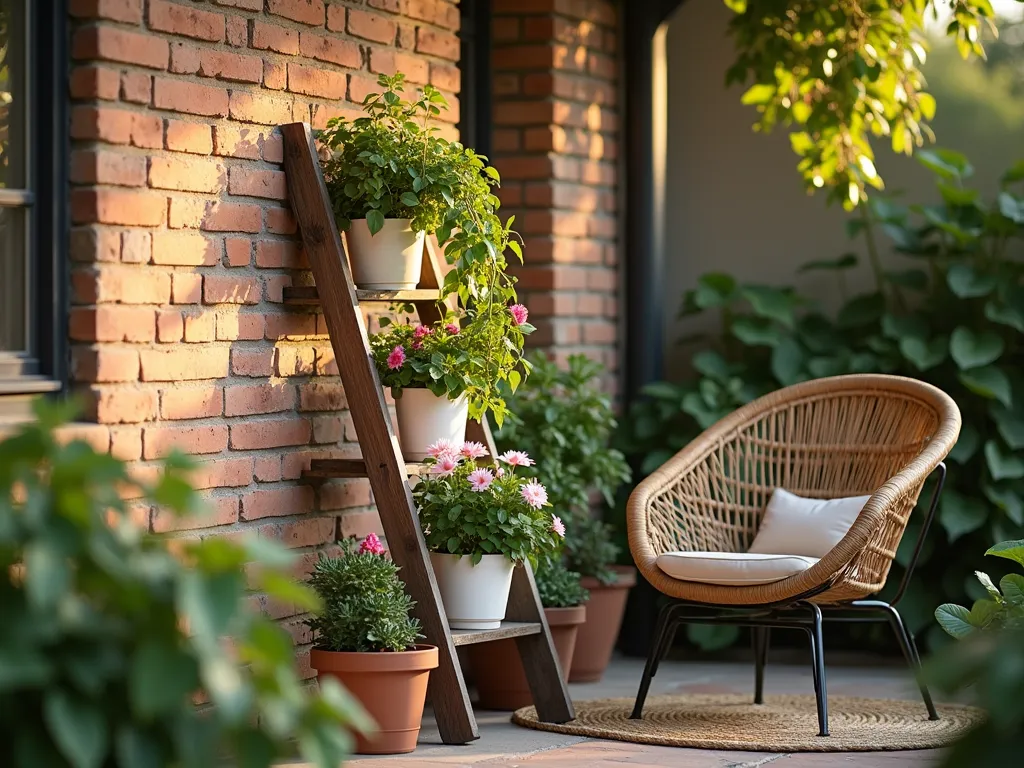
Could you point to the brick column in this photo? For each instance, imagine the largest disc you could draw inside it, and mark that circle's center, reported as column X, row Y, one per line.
column 556, row 144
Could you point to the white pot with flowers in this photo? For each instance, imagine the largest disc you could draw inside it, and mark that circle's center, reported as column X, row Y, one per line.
column 479, row 522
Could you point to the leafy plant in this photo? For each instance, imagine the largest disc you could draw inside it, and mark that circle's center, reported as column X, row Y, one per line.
column 98, row 668
column 839, row 74
column 952, row 313
column 558, row 586
column 366, row 608
column 1004, row 606
column 468, row 509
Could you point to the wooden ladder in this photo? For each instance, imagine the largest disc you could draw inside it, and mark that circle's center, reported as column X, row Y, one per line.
column 383, row 464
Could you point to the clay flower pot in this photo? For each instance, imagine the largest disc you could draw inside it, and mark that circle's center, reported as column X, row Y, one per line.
column 391, row 260
column 597, row 635
column 424, row 418
column 498, row 672
column 391, row 687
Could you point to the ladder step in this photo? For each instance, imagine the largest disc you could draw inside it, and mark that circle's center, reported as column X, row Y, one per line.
column 506, row 630
column 330, row 468
column 306, row 295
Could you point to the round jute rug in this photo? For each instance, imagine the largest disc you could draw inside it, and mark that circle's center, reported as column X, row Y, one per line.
column 781, row 724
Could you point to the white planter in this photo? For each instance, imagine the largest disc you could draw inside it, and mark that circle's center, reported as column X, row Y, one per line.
column 391, row 260
column 474, row 596
column 424, row 418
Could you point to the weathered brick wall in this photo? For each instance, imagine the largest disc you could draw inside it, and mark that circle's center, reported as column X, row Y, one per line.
column 556, row 145
column 182, row 242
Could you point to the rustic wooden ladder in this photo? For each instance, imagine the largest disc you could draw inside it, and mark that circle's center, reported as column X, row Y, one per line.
column 388, row 473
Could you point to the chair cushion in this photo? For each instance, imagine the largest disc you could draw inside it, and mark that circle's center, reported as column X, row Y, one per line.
column 732, row 569
column 794, row 525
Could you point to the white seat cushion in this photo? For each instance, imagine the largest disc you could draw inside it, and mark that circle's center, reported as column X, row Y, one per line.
column 794, row 525
column 732, row 569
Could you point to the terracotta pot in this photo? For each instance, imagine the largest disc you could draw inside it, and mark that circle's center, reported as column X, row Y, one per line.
column 500, row 680
column 598, row 634
column 391, row 687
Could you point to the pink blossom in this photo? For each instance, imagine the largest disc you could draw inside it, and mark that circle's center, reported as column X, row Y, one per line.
column 421, row 331
column 452, row 328
column 534, row 494
column 442, row 447
column 557, row 525
column 519, row 313
column 480, row 479
column 445, row 466
column 371, row 545
column 473, row 450
column 397, row 358
column 417, row 345
column 499, row 472
column 516, row 459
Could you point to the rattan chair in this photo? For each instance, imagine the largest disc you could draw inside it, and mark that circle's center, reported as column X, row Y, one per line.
column 843, row 436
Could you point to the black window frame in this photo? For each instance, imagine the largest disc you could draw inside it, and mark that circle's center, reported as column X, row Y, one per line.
column 42, row 366
column 475, row 97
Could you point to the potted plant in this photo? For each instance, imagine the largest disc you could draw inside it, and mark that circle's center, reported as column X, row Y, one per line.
column 564, row 419
column 366, row 639
column 498, row 671
column 479, row 521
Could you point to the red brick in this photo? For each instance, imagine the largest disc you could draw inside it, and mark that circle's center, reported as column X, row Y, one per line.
column 360, row 87
column 237, row 29
column 275, row 75
column 136, row 246
column 109, row 206
column 88, row 82
column 345, row 494
column 292, row 326
column 183, row 20
column 245, row 5
column 222, row 510
column 274, row 286
column 184, row 59
column 214, row 216
column 219, row 289
column 277, row 502
column 184, row 364
column 280, row 254
column 281, row 222
column 437, row 43
column 322, row 396
column 112, row 323
column 254, row 182
column 114, row 44
column 294, row 361
column 191, row 403
column 231, row 66
column 157, row 442
column 147, row 131
column 306, row 533
column 382, row 60
column 303, row 11
column 93, row 244
column 238, row 251
column 126, row 444
column 104, row 364
column 101, row 124
column 269, row 37
column 238, row 141
column 371, row 26
column 200, row 327
column 186, row 288
column 336, row 18
column 252, row 362
column 236, row 326
column 186, row 174
column 267, row 469
column 129, row 11
column 272, row 433
column 196, row 138
column 122, row 405
column 316, row 82
column 191, row 98
column 136, row 87
column 273, row 149
column 169, row 326
column 258, row 398
column 254, row 108
column 327, row 429
column 225, row 473
column 101, row 167
column 342, row 52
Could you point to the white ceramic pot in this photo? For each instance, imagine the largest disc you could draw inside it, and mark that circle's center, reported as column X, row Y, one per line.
column 424, row 418
column 391, row 260
column 474, row 596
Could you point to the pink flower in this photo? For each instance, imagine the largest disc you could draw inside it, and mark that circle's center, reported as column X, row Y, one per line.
column 397, row 358
column 417, row 345
column 473, row 450
column 452, row 328
column 534, row 494
column 499, row 472
column 421, row 331
column 519, row 313
column 440, row 448
column 516, row 459
column 557, row 525
column 480, row 479
column 371, row 545
column 445, row 466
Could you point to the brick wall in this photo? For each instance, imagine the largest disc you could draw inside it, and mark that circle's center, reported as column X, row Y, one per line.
column 182, row 242
column 556, row 145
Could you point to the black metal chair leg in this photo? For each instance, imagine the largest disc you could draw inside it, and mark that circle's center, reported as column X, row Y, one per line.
column 909, row 648
column 818, row 661
column 661, row 630
column 760, row 637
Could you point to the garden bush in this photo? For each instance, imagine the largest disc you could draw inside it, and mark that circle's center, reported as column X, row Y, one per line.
column 950, row 312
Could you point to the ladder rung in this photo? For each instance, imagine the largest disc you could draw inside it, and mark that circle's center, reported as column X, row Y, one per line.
column 506, row 630
column 307, row 295
column 329, row 468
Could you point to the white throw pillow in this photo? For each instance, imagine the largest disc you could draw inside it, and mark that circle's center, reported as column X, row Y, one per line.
column 732, row 569
column 794, row 525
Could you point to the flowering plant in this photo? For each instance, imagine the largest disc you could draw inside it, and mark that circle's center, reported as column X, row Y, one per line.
column 559, row 587
column 470, row 509
column 366, row 608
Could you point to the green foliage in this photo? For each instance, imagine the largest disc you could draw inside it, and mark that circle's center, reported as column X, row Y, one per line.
column 96, row 668
column 558, row 586
column 365, row 605
column 952, row 314
column 839, row 74
column 1002, row 607
column 561, row 417
column 468, row 509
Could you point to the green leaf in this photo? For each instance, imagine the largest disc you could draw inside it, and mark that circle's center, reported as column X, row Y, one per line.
column 955, row 619
column 761, row 93
column 960, row 515
column 1001, row 465
column 1010, row 425
column 713, row 290
column 453, row 544
column 756, row 331
column 162, row 677
column 772, row 303
column 1014, row 174
column 1006, row 500
column 375, row 221
column 966, row 445
column 946, row 163
column 409, row 199
column 913, row 279
column 990, row 382
column 924, row 355
column 861, row 310
column 210, row 602
column 711, row 364
column 1012, row 586
column 77, row 727
column 709, row 637
column 967, row 283
column 788, row 361
column 846, row 261
column 135, row 749
column 972, row 350
column 1006, row 314
column 1011, row 550
column 990, row 586
column 47, row 575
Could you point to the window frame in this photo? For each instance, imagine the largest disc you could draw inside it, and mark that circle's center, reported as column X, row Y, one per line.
column 475, row 94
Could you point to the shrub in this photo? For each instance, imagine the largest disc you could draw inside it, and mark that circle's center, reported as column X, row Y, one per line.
column 1003, row 607
column 558, row 586
column 96, row 668
column 365, row 604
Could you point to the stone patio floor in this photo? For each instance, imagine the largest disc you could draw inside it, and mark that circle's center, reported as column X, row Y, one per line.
column 504, row 744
